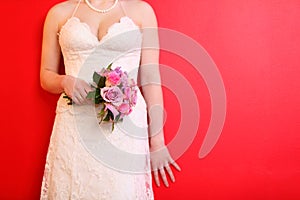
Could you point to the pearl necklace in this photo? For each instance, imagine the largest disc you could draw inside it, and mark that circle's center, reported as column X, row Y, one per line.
column 99, row 10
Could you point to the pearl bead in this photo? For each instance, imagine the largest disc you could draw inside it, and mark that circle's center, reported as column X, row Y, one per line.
column 100, row 10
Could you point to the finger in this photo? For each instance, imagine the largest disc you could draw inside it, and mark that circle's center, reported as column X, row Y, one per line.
column 156, row 179
column 75, row 100
column 82, row 93
column 88, row 88
column 163, row 176
column 85, row 86
column 87, row 91
column 78, row 100
column 170, row 173
column 83, row 99
column 175, row 165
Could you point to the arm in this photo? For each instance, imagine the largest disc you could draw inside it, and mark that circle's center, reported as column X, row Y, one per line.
column 152, row 91
column 150, row 79
column 50, row 79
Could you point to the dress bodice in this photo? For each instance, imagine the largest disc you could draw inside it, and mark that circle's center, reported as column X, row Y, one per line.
column 121, row 44
column 84, row 53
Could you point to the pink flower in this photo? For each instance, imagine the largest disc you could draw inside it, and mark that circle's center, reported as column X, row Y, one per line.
column 124, row 79
column 118, row 70
column 113, row 77
column 127, row 92
column 112, row 94
column 130, row 94
column 124, row 108
column 133, row 98
column 110, row 107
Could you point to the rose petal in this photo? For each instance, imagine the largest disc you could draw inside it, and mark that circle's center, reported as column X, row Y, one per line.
column 114, row 111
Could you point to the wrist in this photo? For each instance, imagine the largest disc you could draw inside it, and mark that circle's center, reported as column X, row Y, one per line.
column 156, row 143
column 63, row 82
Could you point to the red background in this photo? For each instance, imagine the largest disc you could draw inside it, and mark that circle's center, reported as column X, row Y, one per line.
column 256, row 46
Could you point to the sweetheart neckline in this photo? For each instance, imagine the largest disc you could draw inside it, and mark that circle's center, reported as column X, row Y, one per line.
column 89, row 28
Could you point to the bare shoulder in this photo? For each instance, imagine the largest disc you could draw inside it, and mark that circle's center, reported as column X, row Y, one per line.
column 143, row 6
column 138, row 5
column 61, row 10
column 142, row 11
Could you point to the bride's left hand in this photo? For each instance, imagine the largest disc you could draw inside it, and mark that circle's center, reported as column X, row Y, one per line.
column 160, row 162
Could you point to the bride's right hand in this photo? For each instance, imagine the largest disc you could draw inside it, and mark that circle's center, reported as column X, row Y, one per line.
column 77, row 89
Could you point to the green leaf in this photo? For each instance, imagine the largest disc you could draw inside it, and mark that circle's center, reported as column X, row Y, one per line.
column 109, row 116
column 96, row 77
column 118, row 117
column 91, row 95
column 102, row 112
column 106, row 118
column 109, row 66
column 101, row 82
column 112, row 126
column 98, row 97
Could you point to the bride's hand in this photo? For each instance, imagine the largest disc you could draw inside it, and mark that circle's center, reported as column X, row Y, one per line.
column 160, row 162
column 77, row 89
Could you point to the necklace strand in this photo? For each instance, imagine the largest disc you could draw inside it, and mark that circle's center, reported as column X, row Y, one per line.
column 100, row 10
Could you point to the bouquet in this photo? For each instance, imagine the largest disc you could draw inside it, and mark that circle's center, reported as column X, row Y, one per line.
column 115, row 91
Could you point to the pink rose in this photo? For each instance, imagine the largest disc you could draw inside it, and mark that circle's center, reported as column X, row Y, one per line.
column 133, row 98
column 127, row 92
column 118, row 71
column 124, row 108
column 130, row 93
column 112, row 94
column 110, row 107
column 124, row 79
column 113, row 77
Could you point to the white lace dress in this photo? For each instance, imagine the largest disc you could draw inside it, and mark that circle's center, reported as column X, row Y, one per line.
column 86, row 160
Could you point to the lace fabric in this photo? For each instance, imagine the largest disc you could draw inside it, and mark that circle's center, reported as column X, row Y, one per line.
column 71, row 172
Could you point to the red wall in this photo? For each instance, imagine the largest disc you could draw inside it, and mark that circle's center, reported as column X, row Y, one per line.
column 256, row 46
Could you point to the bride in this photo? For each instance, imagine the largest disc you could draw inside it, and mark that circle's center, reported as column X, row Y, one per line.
column 90, row 34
